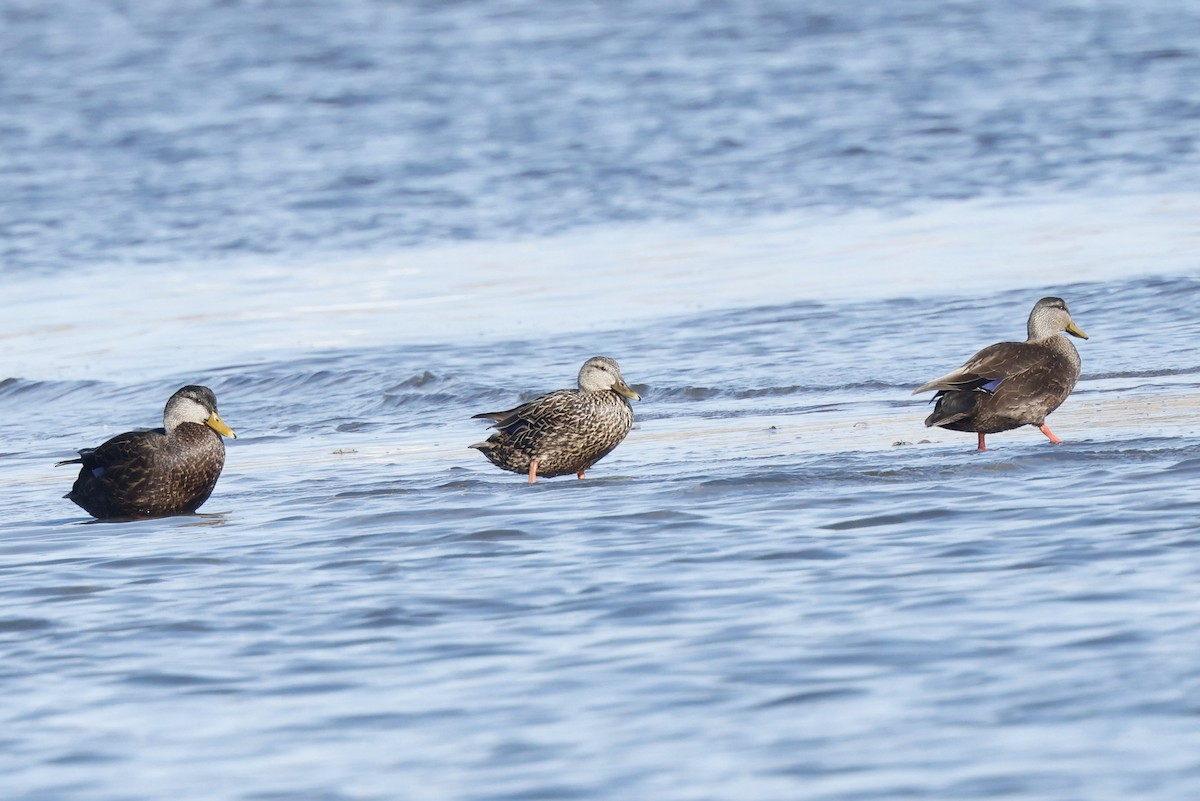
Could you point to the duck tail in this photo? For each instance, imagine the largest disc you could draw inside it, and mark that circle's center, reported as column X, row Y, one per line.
column 951, row 407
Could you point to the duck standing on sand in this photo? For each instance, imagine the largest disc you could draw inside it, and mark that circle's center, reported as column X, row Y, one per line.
column 566, row 431
column 1012, row 384
column 164, row 471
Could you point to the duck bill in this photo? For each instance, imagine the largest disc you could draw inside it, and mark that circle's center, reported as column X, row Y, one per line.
column 623, row 389
column 1075, row 330
column 215, row 422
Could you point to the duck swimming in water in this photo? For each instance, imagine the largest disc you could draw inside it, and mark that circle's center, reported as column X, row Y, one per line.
column 164, row 471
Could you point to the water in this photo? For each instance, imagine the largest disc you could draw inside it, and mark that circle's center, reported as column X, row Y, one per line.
column 135, row 132
column 361, row 223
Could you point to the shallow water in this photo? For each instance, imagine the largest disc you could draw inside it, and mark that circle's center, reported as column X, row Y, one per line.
column 781, row 585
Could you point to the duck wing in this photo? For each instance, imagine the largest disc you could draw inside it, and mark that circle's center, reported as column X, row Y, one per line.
column 987, row 369
column 123, row 451
column 533, row 413
column 525, row 427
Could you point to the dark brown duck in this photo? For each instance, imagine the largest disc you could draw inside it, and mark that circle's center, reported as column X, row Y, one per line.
column 1012, row 384
column 153, row 473
column 566, row 431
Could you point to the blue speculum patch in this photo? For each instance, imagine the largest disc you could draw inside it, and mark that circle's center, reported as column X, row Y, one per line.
column 991, row 385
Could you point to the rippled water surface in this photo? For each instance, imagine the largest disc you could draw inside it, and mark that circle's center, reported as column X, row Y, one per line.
column 360, row 223
column 143, row 131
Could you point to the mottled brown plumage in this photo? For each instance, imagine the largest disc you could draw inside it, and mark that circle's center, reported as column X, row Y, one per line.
column 566, row 431
column 1012, row 384
column 153, row 473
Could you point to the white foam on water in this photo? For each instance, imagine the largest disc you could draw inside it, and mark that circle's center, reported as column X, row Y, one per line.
column 118, row 321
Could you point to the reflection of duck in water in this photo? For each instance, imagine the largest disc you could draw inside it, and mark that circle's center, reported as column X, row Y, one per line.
column 163, row 471
column 566, row 431
column 1012, row 384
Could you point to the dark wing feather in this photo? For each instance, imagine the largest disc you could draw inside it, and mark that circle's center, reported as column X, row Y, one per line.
column 522, row 417
column 986, row 369
column 125, row 450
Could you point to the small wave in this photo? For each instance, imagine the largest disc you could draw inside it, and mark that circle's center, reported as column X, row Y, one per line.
column 44, row 390
column 1159, row 372
column 283, row 379
column 403, row 400
column 873, row 521
column 813, row 696
column 695, row 393
column 14, row 625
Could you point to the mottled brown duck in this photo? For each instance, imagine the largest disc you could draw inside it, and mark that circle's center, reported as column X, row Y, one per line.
column 566, row 431
column 1012, row 384
column 153, row 473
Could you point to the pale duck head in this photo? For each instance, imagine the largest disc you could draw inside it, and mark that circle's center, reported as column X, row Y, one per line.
column 1049, row 317
column 600, row 373
column 195, row 404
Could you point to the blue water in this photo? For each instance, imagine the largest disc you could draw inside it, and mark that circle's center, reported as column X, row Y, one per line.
column 362, row 222
column 134, row 132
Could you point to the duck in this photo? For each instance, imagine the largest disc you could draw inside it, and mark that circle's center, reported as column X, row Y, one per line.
column 158, row 472
column 1012, row 384
column 565, row 431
